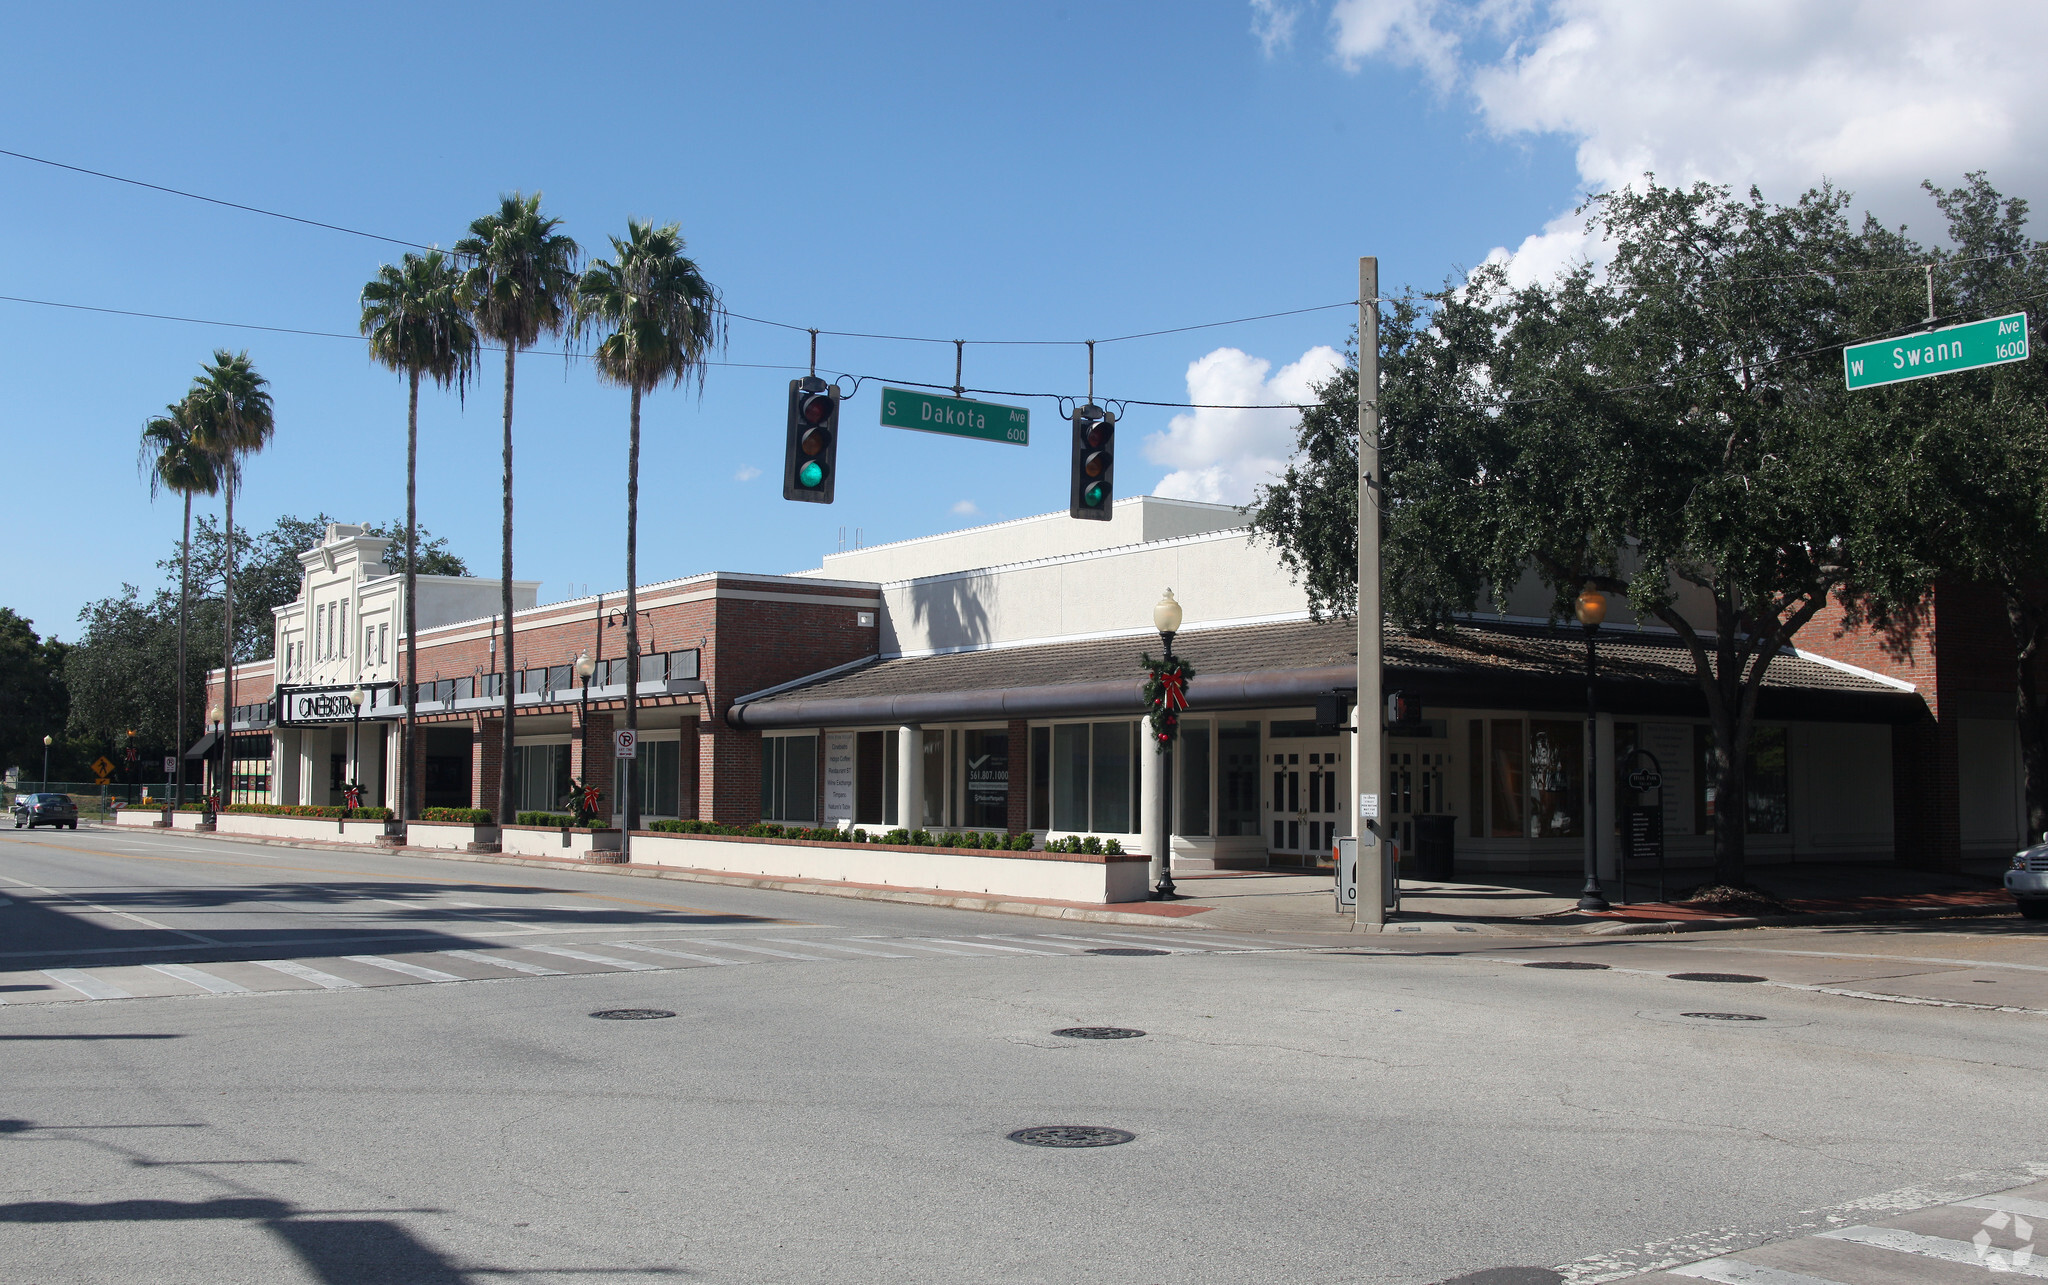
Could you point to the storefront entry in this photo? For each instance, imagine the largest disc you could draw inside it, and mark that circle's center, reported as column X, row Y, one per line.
column 1307, row 779
column 1416, row 772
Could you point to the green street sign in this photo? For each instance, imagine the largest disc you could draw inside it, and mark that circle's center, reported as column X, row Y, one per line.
column 955, row 416
column 1937, row 352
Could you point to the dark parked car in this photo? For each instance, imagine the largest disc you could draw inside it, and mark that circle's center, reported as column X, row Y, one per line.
column 32, row 810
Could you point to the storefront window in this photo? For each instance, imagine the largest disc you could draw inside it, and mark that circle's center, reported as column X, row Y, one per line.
column 1475, row 780
column 1041, row 778
column 1769, row 792
column 789, row 778
column 1116, row 777
column 1557, row 784
column 934, row 779
column 1191, row 755
column 660, row 767
column 540, row 777
column 1507, row 779
column 1094, row 775
column 874, row 779
column 1070, row 776
column 1237, row 779
column 988, row 779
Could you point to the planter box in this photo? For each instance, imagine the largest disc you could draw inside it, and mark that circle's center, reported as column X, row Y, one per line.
column 572, row 843
column 275, row 827
column 455, row 836
column 1051, row 876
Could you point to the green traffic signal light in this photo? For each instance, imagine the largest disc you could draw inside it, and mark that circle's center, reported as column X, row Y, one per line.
column 1091, row 495
column 812, row 474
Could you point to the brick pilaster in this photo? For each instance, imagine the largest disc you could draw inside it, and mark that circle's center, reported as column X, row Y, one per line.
column 729, row 775
column 600, row 762
column 687, row 757
column 486, row 763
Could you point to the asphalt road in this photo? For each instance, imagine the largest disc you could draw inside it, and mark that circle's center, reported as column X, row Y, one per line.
column 225, row 1062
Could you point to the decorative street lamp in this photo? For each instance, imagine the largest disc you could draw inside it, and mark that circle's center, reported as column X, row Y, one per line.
column 356, row 700
column 1166, row 617
column 1591, row 609
column 207, row 798
column 46, row 762
column 583, row 669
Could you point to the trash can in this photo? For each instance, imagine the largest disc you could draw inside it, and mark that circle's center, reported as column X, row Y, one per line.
column 1435, row 836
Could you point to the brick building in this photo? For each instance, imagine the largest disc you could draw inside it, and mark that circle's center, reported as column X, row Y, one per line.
column 988, row 679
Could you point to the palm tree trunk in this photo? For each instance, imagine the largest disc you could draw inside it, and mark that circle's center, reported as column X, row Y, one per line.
column 184, row 607
column 506, row 815
column 631, row 795
column 407, row 809
column 224, row 785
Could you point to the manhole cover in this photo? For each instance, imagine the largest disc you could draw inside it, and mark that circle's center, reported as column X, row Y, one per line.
column 1716, row 977
column 1726, row 1017
column 631, row 1014
column 1071, row 1135
column 1126, row 950
column 1561, row 963
column 1099, row 1033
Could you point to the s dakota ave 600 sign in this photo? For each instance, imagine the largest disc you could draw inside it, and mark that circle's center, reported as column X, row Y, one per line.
column 1992, row 342
column 955, row 416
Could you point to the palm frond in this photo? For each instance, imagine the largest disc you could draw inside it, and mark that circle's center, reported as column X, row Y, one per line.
column 417, row 317
column 522, row 278
column 661, row 319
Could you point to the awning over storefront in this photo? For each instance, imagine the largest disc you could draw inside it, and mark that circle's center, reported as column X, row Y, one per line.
column 1476, row 667
column 202, row 745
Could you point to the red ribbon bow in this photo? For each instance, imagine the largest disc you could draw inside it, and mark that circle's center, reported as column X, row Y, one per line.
column 1173, row 690
column 590, row 797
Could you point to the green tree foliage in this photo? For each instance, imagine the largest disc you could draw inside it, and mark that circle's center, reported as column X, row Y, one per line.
column 122, row 673
column 1674, row 430
column 33, row 699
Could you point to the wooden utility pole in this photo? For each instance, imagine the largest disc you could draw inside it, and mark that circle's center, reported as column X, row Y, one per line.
column 1368, row 754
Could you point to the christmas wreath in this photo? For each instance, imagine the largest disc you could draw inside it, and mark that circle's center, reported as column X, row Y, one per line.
column 1166, row 691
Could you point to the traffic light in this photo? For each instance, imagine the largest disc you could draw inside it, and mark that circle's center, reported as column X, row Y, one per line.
column 1094, row 472
column 810, row 457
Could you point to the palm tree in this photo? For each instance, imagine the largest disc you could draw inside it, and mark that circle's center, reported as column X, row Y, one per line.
column 664, row 319
column 416, row 316
column 174, row 457
column 233, row 415
column 522, row 279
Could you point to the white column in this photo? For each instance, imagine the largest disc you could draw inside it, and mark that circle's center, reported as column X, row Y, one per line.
column 1608, row 852
column 910, row 776
column 1152, row 837
column 286, row 782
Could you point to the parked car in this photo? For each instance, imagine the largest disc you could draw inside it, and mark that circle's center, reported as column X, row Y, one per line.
column 32, row 810
column 2027, row 881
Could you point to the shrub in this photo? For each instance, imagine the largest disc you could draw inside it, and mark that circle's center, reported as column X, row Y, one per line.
column 309, row 810
column 465, row 816
column 541, row 818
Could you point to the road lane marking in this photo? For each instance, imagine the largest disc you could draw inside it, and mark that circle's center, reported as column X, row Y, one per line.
column 1123, row 945
column 400, row 966
column 109, row 910
column 1845, row 954
column 679, row 954
column 826, row 945
column 203, row 980
column 1940, row 1248
column 584, row 955
column 86, row 984
column 936, row 950
column 763, row 950
column 1733, row 1271
column 293, row 968
column 2009, row 1205
column 989, row 945
column 517, row 966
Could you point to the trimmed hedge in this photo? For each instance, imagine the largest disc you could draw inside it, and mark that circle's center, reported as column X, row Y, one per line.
column 465, row 816
column 558, row 820
column 973, row 840
column 309, row 810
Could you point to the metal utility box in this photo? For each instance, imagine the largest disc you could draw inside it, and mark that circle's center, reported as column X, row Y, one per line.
column 1347, row 873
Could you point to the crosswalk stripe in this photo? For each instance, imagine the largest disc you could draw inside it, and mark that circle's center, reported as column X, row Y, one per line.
column 1123, row 945
column 86, row 984
column 989, row 945
column 679, row 954
column 1733, row 1271
column 400, row 966
column 203, row 980
column 632, row 965
column 936, row 950
column 763, row 950
column 1212, row 943
column 2009, row 1205
column 499, row 961
column 830, row 945
column 1936, row 1247
column 293, row 968
column 1063, row 948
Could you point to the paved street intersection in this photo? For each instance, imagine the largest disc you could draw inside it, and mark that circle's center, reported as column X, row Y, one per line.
column 232, row 1062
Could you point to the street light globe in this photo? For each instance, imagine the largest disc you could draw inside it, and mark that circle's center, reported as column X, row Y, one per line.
column 46, row 742
column 1592, row 607
column 585, row 666
column 213, row 714
column 1166, row 615
column 358, row 696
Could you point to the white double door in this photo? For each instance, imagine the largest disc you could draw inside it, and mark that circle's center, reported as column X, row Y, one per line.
column 1307, row 783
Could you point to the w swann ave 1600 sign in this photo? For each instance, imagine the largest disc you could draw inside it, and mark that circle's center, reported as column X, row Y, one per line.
column 1993, row 342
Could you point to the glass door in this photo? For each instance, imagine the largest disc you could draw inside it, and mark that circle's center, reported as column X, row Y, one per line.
column 1415, row 787
column 1307, row 782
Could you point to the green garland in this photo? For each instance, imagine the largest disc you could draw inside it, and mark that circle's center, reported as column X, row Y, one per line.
column 1166, row 687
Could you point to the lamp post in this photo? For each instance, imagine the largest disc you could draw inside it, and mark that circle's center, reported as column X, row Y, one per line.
column 207, row 797
column 356, row 700
column 1591, row 609
column 1166, row 617
column 583, row 669
column 46, row 762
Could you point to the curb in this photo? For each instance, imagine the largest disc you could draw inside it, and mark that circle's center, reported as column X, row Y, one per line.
column 908, row 896
column 1902, row 914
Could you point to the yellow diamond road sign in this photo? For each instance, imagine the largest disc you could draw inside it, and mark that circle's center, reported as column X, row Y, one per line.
column 102, row 768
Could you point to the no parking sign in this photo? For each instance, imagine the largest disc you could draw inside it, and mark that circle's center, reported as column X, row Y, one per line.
column 625, row 742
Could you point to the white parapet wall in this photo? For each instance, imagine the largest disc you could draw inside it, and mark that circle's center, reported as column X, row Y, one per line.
column 1048, row 876
column 568, row 843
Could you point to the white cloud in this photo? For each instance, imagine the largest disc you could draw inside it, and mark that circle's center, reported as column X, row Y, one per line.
column 1273, row 23
column 966, row 508
column 1222, row 455
column 746, row 473
column 1874, row 95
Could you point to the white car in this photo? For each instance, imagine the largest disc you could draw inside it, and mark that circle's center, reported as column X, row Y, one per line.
column 2027, row 881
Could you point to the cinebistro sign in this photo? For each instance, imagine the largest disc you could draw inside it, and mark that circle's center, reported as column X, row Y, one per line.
column 320, row 704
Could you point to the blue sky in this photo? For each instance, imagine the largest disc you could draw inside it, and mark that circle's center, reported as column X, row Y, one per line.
column 1033, row 171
